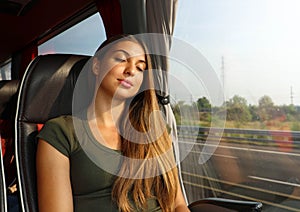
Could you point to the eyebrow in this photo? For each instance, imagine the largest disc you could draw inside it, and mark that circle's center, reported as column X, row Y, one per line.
column 127, row 54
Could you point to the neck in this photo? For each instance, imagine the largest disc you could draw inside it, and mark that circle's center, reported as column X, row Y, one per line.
column 103, row 117
column 105, row 111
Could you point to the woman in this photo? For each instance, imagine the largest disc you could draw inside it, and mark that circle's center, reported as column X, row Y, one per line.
column 136, row 170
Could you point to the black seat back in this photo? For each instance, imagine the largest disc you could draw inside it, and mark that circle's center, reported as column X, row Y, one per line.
column 45, row 92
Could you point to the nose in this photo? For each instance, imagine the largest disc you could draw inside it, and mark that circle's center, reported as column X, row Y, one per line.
column 130, row 69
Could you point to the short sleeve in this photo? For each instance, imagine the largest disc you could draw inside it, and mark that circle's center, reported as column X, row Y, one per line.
column 58, row 132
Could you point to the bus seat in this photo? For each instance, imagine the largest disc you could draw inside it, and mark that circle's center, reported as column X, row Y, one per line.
column 45, row 92
column 3, row 202
column 8, row 93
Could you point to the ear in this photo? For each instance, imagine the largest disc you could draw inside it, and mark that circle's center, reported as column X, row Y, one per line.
column 96, row 66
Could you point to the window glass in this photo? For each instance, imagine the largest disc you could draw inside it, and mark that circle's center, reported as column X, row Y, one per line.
column 83, row 38
column 252, row 46
column 5, row 71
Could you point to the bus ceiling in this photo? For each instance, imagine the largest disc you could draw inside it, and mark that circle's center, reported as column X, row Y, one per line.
column 25, row 21
column 36, row 21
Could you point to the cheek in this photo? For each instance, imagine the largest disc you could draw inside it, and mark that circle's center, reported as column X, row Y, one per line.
column 139, row 82
column 140, row 78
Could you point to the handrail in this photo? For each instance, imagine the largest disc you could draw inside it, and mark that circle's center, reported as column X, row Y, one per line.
column 240, row 134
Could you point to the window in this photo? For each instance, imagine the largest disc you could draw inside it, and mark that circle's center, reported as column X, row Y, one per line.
column 83, row 38
column 5, row 71
column 253, row 47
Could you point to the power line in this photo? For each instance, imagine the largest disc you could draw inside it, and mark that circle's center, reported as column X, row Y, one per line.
column 223, row 72
column 292, row 96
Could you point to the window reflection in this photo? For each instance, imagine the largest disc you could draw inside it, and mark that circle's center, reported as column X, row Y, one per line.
column 253, row 46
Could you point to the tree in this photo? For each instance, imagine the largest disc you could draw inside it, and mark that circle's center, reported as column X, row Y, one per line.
column 204, row 108
column 265, row 108
column 176, row 110
column 253, row 109
column 237, row 109
column 290, row 112
column 183, row 113
column 203, row 104
column 265, row 101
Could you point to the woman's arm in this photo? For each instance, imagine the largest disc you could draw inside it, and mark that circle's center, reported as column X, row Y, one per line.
column 53, row 179
column 180, row 204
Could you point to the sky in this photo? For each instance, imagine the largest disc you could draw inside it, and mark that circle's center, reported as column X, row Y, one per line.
column 257, row 39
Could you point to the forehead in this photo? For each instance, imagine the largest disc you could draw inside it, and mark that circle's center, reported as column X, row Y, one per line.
column 132, row 48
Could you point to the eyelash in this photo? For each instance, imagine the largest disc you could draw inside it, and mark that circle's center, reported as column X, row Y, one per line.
column 140, row 69
column 118, row 59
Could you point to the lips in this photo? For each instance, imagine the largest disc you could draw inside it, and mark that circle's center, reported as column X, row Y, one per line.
column 125, row 83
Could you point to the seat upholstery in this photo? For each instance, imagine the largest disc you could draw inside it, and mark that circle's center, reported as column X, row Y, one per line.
column 46, row 92
column 3, row 202
column 8, row 92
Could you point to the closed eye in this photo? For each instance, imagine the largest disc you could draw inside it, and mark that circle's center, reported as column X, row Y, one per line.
column 140, row 69
column 141, row 66
column 120, row 59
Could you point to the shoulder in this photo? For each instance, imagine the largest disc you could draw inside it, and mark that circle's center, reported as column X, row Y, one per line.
column 65, row 120
column 61, row 124
column 59, row 132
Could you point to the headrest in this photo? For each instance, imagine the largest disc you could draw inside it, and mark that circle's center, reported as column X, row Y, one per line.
column 8, row 98
column 47, row 87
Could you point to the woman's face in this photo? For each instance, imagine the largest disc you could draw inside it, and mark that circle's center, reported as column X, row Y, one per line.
column 123, row 65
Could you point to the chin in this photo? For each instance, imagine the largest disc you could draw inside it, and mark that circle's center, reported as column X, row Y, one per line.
column 122, row 97
column 124, row 94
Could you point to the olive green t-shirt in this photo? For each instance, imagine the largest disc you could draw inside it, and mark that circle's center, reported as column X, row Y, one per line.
column 92, row 165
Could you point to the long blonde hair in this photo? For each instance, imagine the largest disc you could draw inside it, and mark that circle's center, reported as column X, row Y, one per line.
column 148, row 169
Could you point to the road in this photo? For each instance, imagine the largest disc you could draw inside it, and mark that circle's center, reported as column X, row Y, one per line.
column 269, row 174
